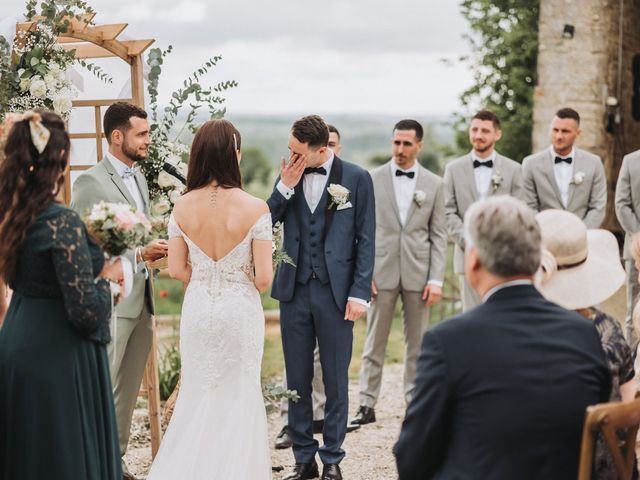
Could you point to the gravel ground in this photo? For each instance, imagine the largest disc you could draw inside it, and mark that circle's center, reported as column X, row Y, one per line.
column 368, row 449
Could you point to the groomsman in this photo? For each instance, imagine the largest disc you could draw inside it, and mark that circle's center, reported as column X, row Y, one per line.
column 318, row 398
column 627, row 201
column 565, row 177
column 411, row 254
column 328, row 210
column 475, row 176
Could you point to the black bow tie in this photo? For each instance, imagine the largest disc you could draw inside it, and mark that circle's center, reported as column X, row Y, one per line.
column 478, row 163
column 567, row 160
column 318, row 170
column 400, row 173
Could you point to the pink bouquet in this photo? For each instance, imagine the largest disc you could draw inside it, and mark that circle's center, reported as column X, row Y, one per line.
column 117, row 227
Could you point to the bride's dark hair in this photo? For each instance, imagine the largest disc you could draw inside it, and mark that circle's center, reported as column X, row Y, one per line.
column 213, row 156
column 29, row 182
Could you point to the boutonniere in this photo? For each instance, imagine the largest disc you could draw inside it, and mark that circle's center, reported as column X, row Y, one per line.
column 577, row 178
column 339, row 195
column 419, row 197
column 496, row 181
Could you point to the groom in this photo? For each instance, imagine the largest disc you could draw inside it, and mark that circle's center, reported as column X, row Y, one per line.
column 327, row 207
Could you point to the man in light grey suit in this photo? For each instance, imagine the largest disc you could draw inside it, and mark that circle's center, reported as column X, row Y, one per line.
column 627, row 203
column 114, row 179
column 565, row 177
column 479, row 174
column 411, row 254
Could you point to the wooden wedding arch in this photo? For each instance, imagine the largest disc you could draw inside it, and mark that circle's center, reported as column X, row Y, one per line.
column 101, row 41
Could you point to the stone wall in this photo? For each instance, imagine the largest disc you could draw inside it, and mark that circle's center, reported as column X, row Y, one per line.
column 581, row 72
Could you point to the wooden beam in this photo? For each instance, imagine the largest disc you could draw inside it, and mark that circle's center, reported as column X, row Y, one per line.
column 79, row 168
column 136, row 47
column 102, row 103
column 101, row 32
column 91, row 50
column 85, row 135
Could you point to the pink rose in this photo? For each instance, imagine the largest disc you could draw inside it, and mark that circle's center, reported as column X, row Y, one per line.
column 126, row 220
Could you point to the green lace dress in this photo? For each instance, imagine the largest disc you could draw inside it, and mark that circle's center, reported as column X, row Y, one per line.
column 57, row 420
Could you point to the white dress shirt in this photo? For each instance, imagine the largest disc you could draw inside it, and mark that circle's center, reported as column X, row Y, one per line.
column 404, row 188
column 313, row 186
column 497, row 288
column 129, row 182
column 563, row 172
column 483, row 175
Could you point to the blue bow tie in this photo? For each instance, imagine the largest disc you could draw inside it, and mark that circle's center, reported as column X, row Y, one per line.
column 129, row 172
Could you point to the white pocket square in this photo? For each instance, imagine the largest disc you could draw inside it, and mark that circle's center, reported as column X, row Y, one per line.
column 344, row 206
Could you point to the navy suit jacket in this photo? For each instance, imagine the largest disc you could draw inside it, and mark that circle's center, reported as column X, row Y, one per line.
column 349, row 236
column 501, row 392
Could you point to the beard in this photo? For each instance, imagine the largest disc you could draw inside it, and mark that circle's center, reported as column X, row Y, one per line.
column 133, row 155
column 483, row 147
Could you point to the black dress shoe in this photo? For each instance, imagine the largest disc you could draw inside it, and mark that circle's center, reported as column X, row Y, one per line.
column 318, row 426
column 331, row 471
column 302, row 471
column 283, row 440
column 351, row 427
column 365, row 415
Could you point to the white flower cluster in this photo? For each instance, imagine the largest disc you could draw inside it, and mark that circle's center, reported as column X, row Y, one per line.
column 171, row 188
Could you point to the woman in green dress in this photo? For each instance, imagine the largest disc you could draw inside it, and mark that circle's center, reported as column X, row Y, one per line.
column 57, row 419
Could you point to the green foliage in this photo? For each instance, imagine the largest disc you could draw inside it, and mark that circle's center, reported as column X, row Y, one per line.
column 255, row 166
column 504, row 44
column 169, row 371
column 96, row 70
column 273, row 393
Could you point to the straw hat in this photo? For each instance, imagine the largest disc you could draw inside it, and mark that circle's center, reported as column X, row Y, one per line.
column 580, row 268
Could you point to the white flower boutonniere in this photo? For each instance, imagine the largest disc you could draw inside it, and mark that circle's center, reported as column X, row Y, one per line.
column 419, row 197
column 577, row 178
column 339, row 195
column 496, row 181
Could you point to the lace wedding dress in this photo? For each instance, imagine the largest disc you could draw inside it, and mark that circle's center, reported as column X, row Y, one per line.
column 218, row 430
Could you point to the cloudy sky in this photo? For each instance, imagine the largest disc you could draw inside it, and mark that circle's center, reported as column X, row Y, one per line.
column 297, row 56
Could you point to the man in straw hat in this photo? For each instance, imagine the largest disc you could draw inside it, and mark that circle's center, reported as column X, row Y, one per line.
column 502, row 389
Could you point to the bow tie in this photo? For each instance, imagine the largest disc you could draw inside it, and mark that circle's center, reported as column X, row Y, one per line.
column 567, row 160
column 400, row 173
column 478, row 163
column 318, row 170
column 129, row 172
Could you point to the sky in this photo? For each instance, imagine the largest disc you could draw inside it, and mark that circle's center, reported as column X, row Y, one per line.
column 298, row 56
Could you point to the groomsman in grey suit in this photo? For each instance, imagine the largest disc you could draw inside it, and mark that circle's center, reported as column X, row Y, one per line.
column 565, row 177
column 115, row 179
column 411, row 254
column 479, row 174
column 627, row 203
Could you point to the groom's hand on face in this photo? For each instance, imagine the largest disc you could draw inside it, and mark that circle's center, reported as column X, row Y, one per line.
column 291, row 172
column 155, row 250
column 354, row 311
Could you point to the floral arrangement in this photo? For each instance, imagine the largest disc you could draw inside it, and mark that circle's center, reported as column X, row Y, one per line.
column 117, row 227
column 278, row 253
column 34, row 69
column 166, row 144
column 339, row 196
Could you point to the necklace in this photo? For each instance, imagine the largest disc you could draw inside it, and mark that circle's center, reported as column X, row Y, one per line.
column 213, row 195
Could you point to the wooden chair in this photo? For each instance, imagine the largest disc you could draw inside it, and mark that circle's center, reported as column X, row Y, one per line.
column 608, row 418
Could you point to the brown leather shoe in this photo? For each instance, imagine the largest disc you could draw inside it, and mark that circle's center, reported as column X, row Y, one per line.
column 303, row 471
column 331, row 471
column 365, row 415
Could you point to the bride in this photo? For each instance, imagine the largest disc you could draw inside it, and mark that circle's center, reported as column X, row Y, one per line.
column 220, row 244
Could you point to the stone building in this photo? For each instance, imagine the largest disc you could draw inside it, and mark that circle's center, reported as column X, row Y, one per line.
column 589, row 59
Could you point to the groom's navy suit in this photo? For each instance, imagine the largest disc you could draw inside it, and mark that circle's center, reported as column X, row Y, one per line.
column 334, row 255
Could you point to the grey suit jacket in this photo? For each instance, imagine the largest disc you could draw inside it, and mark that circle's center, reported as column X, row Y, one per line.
column 102, row 182
column 461, row 192
column 416, row 252
column 627, row 198
column 587, row 200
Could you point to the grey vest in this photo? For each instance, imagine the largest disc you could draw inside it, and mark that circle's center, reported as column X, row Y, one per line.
column 311, row 254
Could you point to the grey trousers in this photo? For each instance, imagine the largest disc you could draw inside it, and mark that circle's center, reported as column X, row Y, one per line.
column 633, row 289
column 379, row 319
column 318, row 398
column 470, row 298
column 128, row 354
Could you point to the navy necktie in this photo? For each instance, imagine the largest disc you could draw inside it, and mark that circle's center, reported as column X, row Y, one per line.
column 488, row 164
column 318, row 170
column 400, row 173
column 567, row 160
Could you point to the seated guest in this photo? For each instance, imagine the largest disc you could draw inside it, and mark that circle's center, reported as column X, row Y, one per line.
column 502, row 389
column 581, row 268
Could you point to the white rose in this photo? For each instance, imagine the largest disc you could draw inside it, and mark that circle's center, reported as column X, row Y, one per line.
column 37, row 87
column 25, row 83
column 61, row 103
column 175, row 194
column 165, row 180
column 419, row 196
column 160, row 207
column 51, row 81
column 339, row 194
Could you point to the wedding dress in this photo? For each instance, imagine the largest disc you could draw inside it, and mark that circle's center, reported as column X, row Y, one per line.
column 218, row 430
